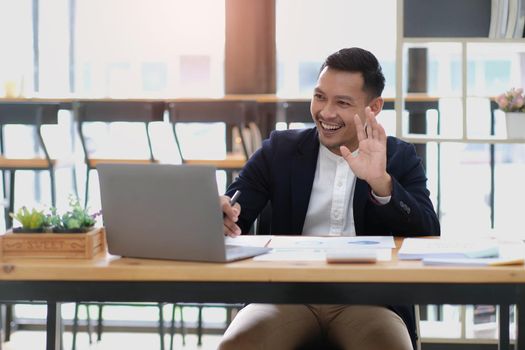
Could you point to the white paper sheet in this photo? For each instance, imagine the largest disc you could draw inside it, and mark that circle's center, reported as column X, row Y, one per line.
column 288, row 254
column 249, row 240
column 309, row 242
column 420, row 248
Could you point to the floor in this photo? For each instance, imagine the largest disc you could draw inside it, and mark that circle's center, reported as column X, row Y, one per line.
column 35, row 340
column 29, row 340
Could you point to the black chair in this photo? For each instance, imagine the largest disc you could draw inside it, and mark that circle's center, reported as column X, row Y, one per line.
column 239, row 117
column 31, row 114
column 143, row 112
column 109, row 112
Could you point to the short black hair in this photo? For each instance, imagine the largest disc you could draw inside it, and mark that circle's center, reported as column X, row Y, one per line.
column 355, row 59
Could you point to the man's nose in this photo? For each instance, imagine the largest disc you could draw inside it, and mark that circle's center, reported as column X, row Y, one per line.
column 328, row 111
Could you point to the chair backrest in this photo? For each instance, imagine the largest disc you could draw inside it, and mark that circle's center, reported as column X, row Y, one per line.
column 119, row 111
column 234, row 113
column 33, row 114
column 115, row 111
column 296, row 111
column 231, row 112
column 28, row 113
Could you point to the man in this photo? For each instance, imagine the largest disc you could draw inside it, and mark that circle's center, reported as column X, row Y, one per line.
column 344, row 177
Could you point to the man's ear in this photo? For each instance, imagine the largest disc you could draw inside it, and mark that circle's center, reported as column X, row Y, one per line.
column 376, row 105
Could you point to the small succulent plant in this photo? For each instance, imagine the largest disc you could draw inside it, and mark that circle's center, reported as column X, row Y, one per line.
column 76, row 219
column 31, row 220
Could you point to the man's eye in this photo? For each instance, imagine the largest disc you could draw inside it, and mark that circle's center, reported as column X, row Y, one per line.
column 344, row 103
column 318, row 96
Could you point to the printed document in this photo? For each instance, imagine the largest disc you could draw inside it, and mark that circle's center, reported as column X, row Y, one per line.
column 308, row 248
column 420, row 248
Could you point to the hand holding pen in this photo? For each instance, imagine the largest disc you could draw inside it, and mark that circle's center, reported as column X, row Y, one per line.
column 231, row 210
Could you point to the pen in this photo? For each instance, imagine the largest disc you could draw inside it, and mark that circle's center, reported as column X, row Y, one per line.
column 234, row 198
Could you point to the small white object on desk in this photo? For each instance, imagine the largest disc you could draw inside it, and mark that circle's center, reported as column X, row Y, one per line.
column 351, row 256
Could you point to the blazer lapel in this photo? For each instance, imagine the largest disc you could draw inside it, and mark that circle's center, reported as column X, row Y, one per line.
column 303, row 172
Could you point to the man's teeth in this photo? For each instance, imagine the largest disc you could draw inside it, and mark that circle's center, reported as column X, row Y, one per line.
column 330, row 127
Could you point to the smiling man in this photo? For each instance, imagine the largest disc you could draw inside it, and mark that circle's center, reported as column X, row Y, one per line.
column 344, row 177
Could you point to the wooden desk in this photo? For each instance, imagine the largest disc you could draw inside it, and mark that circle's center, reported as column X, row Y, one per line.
column 112, row 278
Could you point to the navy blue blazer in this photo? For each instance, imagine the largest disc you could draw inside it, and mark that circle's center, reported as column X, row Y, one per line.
column 282, row 171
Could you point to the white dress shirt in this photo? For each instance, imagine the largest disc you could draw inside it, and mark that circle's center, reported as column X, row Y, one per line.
column 330, row 211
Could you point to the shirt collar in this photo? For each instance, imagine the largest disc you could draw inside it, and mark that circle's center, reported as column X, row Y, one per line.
column 327, row 154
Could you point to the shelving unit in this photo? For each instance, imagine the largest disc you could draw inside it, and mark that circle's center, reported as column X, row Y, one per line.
column 464, row 43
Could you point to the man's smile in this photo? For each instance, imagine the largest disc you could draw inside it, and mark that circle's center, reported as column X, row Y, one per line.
column 330, row 126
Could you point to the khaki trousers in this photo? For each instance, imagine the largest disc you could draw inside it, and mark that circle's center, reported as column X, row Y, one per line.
column 288, row 327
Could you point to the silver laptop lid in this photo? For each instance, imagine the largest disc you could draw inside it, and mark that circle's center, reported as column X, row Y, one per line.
column 162, row 211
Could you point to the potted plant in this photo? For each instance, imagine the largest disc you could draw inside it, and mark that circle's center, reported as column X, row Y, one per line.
column 75, row 220
column 32, row 221
column 512, row 103
column 70, row 235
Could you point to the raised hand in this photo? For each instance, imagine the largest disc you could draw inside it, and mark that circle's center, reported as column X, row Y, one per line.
column 369, row 163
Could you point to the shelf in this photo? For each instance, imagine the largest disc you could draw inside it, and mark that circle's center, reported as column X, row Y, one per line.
column 463, row 49
column 490, row 140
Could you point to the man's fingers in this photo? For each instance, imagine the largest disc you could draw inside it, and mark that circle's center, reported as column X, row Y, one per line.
column 231, row 229
column 228, row 210
column 347, row 155
column 371, row 122
column 359, row 128
column 381, row 133
column 230, row 217
column 345, row 152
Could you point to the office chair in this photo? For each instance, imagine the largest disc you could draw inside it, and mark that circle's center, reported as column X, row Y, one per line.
column 110, row 113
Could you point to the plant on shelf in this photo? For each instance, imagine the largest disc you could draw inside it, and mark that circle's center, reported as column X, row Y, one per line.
column 76, row 220
column 512, row 100
column 32, row 221
column 512, row 103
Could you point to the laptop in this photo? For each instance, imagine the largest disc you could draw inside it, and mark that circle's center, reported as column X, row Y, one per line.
column 165, row 211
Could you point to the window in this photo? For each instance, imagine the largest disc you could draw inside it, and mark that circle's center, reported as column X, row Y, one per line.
column 307, row 31
column 158, row 48
column 16, row 40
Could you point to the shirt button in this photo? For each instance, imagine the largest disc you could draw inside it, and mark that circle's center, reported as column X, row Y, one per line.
column 339, row 184
column 336, row 214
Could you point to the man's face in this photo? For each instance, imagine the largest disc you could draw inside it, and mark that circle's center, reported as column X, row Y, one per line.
column 337, row 97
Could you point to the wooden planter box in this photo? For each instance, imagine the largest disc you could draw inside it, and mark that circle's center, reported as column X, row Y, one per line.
column 53, row 245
